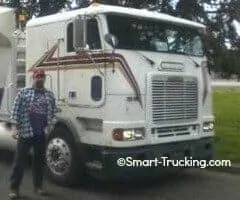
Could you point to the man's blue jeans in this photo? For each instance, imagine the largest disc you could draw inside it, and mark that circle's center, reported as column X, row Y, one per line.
column 23, row 148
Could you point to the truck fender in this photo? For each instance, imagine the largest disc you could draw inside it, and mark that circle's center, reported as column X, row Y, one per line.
column 70, row 126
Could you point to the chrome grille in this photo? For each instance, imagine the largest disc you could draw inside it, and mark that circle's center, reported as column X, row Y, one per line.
column 174, row 98
column 171, row 131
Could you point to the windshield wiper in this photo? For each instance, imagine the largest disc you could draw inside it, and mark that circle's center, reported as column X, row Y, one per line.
column 184, row 53
column 150, row 61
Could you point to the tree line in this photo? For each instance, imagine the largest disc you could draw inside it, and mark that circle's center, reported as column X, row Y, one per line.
column 219, row 17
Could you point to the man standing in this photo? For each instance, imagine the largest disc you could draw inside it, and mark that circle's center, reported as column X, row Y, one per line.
column 34, row 113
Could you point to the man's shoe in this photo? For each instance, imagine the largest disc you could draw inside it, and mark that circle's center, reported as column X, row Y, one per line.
column 40, row 191
column 13, row 194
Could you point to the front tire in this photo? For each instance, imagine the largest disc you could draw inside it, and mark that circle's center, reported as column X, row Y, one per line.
column 63, row 165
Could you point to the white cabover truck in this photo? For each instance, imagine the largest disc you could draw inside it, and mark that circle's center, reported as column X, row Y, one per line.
column 128, row 83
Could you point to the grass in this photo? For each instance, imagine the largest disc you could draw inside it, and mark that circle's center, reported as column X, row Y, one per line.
column 226, row 107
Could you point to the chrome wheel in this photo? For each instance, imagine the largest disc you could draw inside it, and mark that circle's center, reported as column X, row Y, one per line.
column 58, row 156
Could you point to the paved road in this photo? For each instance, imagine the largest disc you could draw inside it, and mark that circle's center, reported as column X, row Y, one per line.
column 189, row 185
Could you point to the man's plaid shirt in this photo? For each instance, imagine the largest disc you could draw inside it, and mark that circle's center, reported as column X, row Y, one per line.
column 20, row 115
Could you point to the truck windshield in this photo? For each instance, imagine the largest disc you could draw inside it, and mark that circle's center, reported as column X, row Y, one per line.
column 152, row 35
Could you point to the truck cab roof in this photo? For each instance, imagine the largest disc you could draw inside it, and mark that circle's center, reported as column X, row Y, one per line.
column 96, row 8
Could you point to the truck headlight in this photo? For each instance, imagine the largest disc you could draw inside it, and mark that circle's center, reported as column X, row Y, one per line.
column 208, row 126
column 128, row 134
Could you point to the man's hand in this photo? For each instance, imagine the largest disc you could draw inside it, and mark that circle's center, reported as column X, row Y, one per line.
column 48, row 129
column 15, row 135
column 15, row 132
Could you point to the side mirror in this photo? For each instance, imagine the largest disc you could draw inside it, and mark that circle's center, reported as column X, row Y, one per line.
column 111, row 39
column 80, row 33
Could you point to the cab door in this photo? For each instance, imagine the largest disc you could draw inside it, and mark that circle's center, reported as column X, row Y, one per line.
column 84, row 77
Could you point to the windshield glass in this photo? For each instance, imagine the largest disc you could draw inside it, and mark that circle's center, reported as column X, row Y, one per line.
column 146, row 35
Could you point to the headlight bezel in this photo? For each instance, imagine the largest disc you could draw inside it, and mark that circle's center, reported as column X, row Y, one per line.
column 208, row 126
column 133, row 134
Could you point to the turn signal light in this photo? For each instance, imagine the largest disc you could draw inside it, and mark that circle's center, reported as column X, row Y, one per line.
column 128, row 134
column 118, row 134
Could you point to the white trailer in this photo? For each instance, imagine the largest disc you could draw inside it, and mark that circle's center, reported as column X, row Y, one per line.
column 7, row 71
column 128, row 82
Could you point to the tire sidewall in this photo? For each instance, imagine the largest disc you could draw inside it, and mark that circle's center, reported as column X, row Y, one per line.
column 70, row 178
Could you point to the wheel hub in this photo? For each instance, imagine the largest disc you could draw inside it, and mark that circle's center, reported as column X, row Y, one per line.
column 55, row 155
column 58, row 156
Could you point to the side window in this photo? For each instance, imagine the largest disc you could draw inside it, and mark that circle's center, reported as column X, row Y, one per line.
column 70, row 47
column 93, row 38
column 96, row 88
